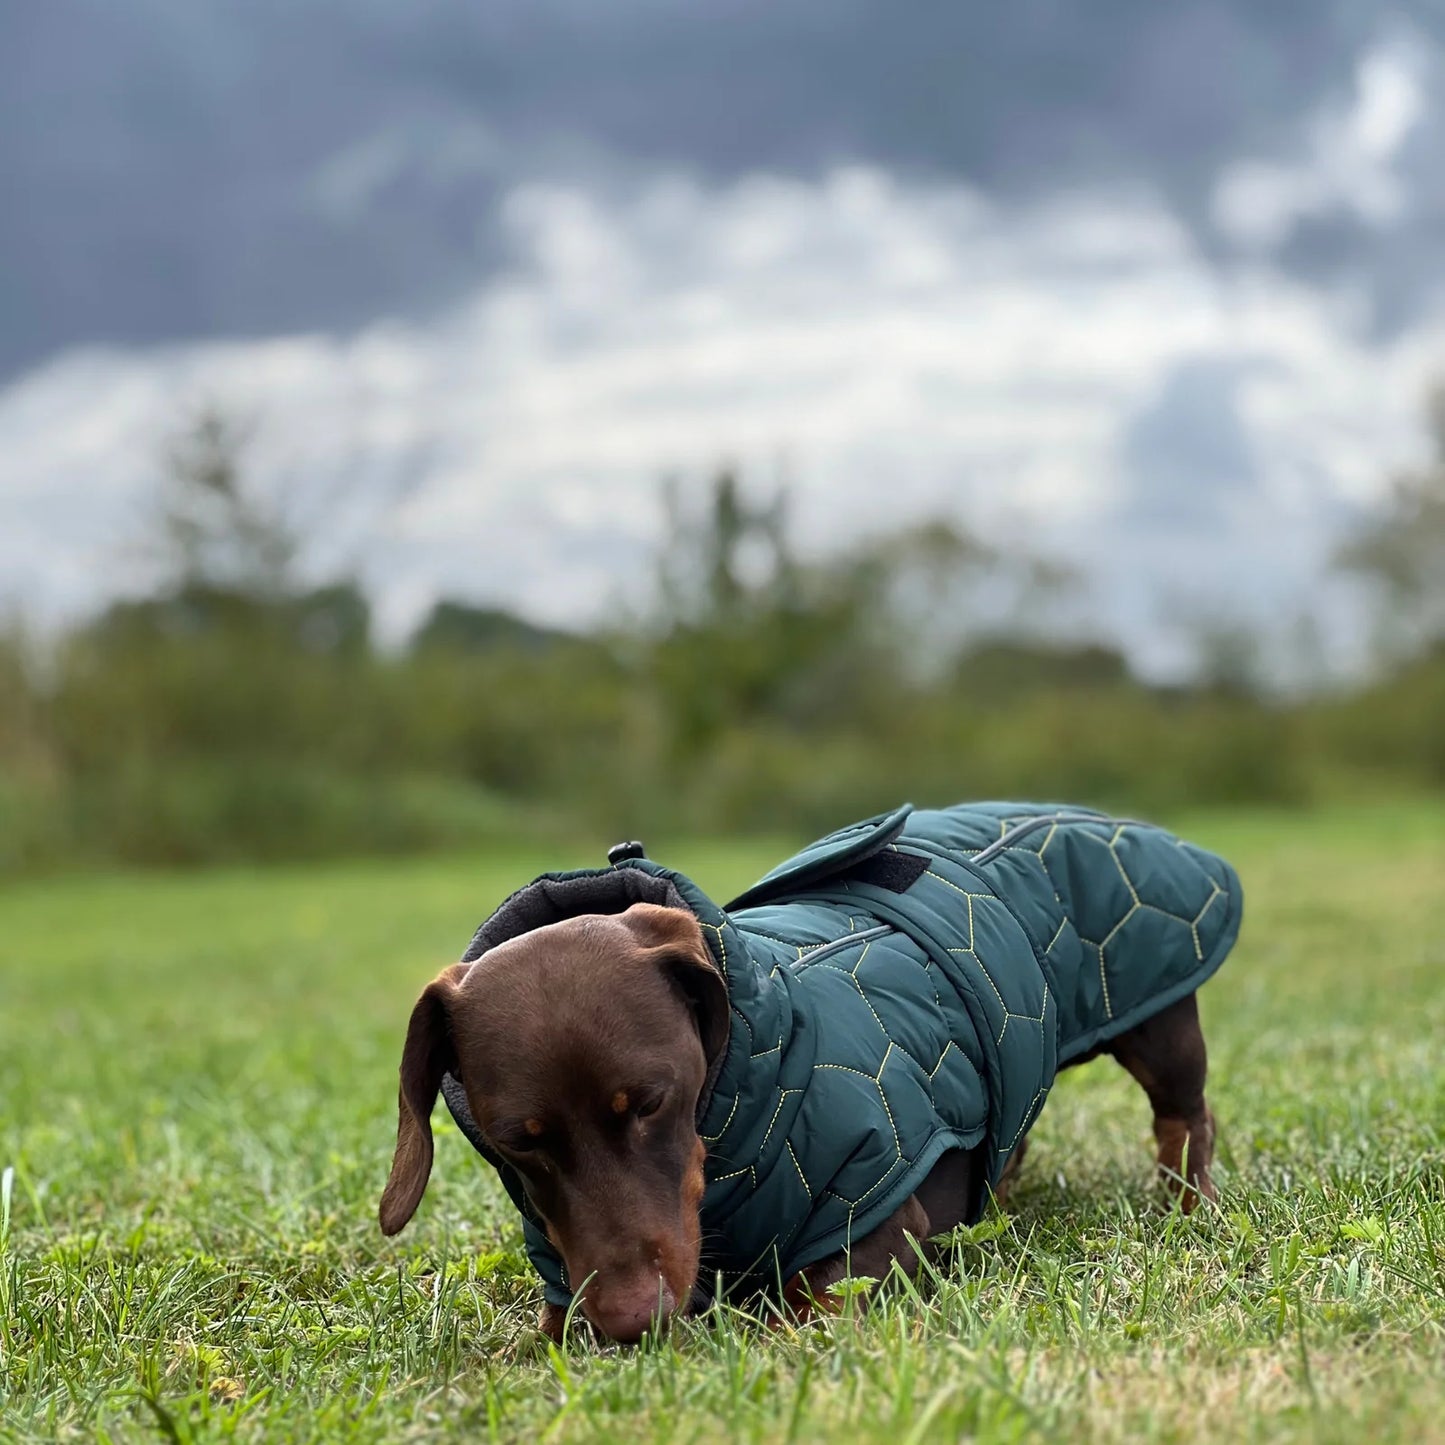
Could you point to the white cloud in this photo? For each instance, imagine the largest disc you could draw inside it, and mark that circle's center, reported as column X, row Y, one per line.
column 1349, row 163
column 898, row 349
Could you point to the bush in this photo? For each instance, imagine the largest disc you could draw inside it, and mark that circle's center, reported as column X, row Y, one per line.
column 157, row 744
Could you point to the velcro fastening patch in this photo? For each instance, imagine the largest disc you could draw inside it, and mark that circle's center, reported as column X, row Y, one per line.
column 896, row 872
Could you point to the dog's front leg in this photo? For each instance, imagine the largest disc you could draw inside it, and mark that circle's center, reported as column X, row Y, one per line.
column 810, row 1291
column 552, row 1321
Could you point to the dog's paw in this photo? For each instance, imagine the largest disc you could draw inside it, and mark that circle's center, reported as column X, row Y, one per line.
column 1186, row 1150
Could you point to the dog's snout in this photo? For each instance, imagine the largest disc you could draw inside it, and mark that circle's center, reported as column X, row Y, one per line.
column 625, row 1307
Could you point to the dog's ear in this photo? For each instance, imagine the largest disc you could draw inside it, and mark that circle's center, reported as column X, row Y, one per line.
column 426, row 1057
column 676, row 938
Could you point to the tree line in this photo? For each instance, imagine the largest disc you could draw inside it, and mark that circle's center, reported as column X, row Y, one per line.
column 239, row 714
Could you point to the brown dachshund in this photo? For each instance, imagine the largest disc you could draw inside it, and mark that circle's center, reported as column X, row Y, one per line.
column 583, row 1047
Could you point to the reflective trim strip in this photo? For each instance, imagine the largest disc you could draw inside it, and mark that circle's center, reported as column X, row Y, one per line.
column 1034, row 824
column 839, row 944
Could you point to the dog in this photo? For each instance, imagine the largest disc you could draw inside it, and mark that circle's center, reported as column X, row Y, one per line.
column 607, row 1043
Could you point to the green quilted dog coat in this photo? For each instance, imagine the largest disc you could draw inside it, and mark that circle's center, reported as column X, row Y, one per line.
column 903, row 987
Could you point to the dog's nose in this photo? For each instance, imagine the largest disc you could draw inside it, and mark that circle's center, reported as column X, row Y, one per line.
column 625, row 1312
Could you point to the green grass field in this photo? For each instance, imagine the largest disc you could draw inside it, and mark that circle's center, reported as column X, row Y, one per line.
column 197, row 1098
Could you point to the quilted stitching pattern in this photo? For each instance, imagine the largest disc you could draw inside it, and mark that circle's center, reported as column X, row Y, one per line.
column 949, row 1028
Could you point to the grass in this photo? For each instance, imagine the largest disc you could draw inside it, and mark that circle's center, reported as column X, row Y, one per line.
column 197, row 1103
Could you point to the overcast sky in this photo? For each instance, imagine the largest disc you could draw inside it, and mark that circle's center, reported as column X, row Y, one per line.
column 1159, row 287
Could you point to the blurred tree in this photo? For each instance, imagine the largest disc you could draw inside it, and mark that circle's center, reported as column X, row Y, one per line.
column 1005, row 668
column 334, row 619
column 932, row 588
column 213, row 532
column 1400, row 551
column 460, row 627
column 729, row 560
column 227, row 557
column 753, row 636
column 23, row 724
column 745, row 633
column 1230, row 659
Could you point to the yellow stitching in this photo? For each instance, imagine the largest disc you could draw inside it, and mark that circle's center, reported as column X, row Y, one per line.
column 1199, row 918
column 782, row 1097
column 737, row 1174
column 1032, row 1018
column 892, row 1042
column 1123, row 873
column 949, row 884
column 1049, row 879
column 869, row 1002
column 879, row 1184
column 876, row 1081
column 1109, row 937
column 1009, row 1147
column 753, row 928
column 747, row 1023
column 802, row 1178
column 1209, row 903
column 847, row 1069
column 983, row 969
column 713, row 1138
column 722, row 942
column 949, row 1045
column 1155, row 908
column 853, row 972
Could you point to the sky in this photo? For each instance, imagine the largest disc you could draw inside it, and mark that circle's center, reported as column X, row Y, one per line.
column 1156, row 289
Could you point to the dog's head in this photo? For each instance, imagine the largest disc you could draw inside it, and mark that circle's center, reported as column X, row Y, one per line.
column 583, row 1048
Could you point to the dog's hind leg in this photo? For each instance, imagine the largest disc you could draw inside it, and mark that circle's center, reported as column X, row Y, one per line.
column 1010, row 1172
column 1166, row 1055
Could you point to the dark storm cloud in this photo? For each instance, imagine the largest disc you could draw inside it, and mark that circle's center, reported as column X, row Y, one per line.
column 174, row 170
column 166, row 169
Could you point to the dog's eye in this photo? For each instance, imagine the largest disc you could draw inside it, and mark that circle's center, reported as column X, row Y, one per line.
column 645, row 1105
column 520, row 1139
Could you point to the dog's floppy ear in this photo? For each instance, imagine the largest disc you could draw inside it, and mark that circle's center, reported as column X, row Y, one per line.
column 676, row 937
column 428, row 1055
